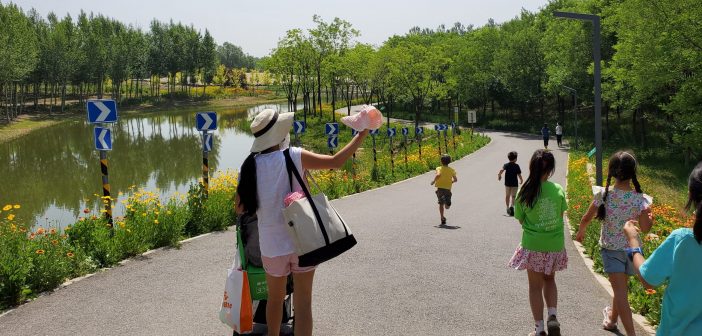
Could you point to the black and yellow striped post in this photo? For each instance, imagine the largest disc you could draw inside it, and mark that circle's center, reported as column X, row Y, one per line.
column 205, row 167
column 107, row 199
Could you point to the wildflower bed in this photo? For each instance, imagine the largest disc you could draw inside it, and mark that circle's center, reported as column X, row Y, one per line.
column 666, row 219
column 34, row 260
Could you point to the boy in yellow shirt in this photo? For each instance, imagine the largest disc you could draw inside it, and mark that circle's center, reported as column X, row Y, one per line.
column 444, row 179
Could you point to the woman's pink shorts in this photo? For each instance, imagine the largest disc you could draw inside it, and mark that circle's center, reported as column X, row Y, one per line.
column 281, row 266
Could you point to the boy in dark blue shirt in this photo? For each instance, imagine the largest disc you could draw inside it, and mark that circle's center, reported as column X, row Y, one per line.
column 512, row 172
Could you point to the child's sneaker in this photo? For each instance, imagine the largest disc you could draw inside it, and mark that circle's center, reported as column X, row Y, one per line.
column 511, row 211
column 443, row 221
column 508, row 213
column 534, row 333
column 553, row 326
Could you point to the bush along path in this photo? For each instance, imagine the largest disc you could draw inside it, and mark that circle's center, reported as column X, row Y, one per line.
column 666, row 219
column 37, row 259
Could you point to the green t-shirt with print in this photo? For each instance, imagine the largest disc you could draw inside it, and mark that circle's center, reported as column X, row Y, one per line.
column 542, row 225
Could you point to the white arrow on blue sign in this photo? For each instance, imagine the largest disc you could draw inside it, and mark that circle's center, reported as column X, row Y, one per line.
column 207, row 142
column 299, row 127
column 101, row 111
column 331, row 129
column 440, row 127
column 405, row 131
column 206, row 121
column 333, row 141
column 353, row 132
column 103, row 138
column 453, row 125
column 374, row 132
column 391, row 132
column 419, row 130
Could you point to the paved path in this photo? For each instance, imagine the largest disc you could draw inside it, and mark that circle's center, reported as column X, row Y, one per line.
column 406, row 276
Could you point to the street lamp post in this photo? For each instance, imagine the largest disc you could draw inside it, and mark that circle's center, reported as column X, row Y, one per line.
column 575, row 111
column 595, row 19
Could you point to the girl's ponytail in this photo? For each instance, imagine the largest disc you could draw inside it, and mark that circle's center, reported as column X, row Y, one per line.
column 542, row 163
column 247, row 189
column 602, row 211
column 636, row 183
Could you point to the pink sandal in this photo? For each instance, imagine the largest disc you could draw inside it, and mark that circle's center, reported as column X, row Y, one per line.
column 607, row 323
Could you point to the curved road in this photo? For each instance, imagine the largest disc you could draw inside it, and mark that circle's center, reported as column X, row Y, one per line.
column 406, row 276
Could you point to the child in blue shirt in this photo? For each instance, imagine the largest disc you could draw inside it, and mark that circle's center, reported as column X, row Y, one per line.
column 676, row 261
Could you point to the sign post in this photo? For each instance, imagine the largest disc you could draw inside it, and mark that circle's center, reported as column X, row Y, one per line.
column 332, row 131
column 453, row 135
column 418, row 131
column 205, row 122
column 299, row 127
column 472, row 120
column 446, row 137
column 103, row 111
column 405, row 132
column 373, row 133
column 353, row 158
column 391, row 135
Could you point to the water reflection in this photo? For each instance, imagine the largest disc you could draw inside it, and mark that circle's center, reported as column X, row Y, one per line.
column 54, row 173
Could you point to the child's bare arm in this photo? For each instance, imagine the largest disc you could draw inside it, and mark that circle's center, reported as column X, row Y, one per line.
column 455, row 179
column 521, row 180
column 435, row 178
column 585, row 221
column 499, row 175
column 646, row 220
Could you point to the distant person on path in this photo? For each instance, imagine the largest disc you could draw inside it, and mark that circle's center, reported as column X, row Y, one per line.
column 559, row 134
column 264, row 183
column 512, row 172
column 545, row 133
column 614, row 207
column 676, row 261
column 444, row 179
column 539, row 208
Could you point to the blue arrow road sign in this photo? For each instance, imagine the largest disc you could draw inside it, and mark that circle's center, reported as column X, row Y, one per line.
column 103, row 138
column 453, row 124
column 299, row 127
column 207, row 142
column 419, row 130
column 353, row 132
column 391, row 132
column 333, row 141
column 374, row 132
column 206, row 121
column 331, row 129
column 102, row 111
column 405, row 131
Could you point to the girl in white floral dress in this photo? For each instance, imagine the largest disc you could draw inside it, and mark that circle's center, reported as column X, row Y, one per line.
column 614, row 207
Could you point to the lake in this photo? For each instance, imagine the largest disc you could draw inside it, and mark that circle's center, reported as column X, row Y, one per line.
column 54, row 173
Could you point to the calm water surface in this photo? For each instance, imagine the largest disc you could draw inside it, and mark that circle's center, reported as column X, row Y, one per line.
column 54, row 173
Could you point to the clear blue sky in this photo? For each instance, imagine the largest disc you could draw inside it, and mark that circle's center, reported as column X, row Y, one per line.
column 256, row 26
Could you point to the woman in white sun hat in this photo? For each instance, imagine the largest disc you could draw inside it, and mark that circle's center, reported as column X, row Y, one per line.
column 263, row 185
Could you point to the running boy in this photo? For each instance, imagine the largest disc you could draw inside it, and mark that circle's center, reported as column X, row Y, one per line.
column 444, row 179
column 512, row 171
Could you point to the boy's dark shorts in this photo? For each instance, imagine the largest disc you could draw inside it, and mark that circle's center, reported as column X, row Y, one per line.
column 444, row 196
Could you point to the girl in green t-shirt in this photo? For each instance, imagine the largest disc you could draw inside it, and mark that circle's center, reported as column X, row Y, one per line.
column 540, row 206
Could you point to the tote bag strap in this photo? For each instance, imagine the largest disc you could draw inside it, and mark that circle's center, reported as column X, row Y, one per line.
column 292, row 170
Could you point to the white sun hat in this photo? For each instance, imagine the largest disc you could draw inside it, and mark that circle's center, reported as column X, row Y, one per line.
column 270, row 128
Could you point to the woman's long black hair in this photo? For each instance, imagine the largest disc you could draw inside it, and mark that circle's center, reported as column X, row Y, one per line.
column 694, row 200
column 622, row 166
column 542, row 163
column 247, row 189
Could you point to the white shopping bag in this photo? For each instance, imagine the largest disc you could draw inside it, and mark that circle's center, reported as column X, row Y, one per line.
column 236, row 310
